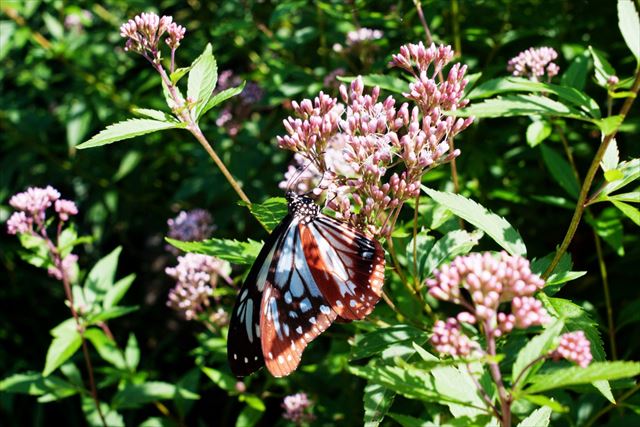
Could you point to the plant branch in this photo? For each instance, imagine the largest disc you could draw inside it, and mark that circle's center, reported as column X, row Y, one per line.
column 483, row 393
column 586, row 185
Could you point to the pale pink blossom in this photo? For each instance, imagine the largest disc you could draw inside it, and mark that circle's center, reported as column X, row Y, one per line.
column 296, row 408
column 65, row 208
column 534, row 63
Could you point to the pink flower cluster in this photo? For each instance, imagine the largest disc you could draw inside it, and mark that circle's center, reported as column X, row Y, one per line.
column 489, row 281
column 295, row 407
column 196, row 275
column 377, row 134
column 448, row 338
column 144, row 31
column 31, row 206
column 575, row 347
column 534, row 63
column 189, row 226
column 359, row 40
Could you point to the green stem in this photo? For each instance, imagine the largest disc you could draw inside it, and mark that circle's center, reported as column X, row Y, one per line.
column 607, row 296
column 586, row 185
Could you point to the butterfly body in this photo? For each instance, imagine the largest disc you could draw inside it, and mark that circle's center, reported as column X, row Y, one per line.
column 312, row 270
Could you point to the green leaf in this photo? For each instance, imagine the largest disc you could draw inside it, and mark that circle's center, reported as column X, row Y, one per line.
column 33, row 383
column 221, row 97
column 631, row 197
column 78, row 122
column 521, row 105
column 630, row 211
column 495, row 226
column 37, row 253
column 630, row 171
column 100, row 278
column 270, row 213
column 248, row 417
column 378, row 340
column 518, row 84
column 452, row 244
column 576, row 74
column 252, row 400
column 576, row 375
column 608, row 225
column 136, row 395
column 178, row 74
column 538, row 418
column 189, row 381
column 154, row 114
column 377, row 401
column 229, row 250
column 111, row 313
column 542, row 400
column 127, row 164
column 126, row 130
column 536, row 347
column 386, row 82
column 423, row 243
column 458, row 385
column 629, row 25
column 603, row 70
column 537, row 132
column 413, row 385
column 111, row 417
column 7, row 29
column 116, row 292
column 611, row 157
column 132, row 352
column 107, row 348
column 560, row 170
column 202, row 80
column 54, row 26
column 222, row 380
column 610, row 124
column 61, row 349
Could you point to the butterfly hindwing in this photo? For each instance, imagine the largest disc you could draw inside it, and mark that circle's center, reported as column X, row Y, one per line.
column 294, row 310
column 244, row 350
column 347, row 266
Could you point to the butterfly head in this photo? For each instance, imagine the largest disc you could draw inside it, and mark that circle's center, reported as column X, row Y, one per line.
column 302, row 207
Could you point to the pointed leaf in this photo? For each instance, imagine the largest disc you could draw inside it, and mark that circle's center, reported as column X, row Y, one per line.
column 61, row 349
column 202, row 80
column 269, row 213
column 135, row 395
column 452, row 244
column 494, row 225
column 521, row 105
column 377, row 402
column 611, row 156
column 126, row 130
column 629, row 24
column 632, row 212
column 576, row 375
column 117, row 291
column 227, row 249
column 154, row 114
column 538, row 418
column 100, row 278
column 603, row 70
column 576, row 74
column 560, row 171
column 221, row 97
column 537, row 132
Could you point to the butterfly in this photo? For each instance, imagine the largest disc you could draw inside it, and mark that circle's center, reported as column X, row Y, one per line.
column 311, row 270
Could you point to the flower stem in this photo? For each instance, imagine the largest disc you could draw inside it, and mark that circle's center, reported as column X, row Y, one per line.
column 192, row 126
column 607, row 296
column 586, row 185
column 494, row 369
column 483, row 393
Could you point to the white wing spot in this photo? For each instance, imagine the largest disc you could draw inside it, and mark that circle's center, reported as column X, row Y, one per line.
column 353, row 303
column 339, row 303
column 235, row 356
column 325, row 309
column 270, row 355
column 289, row 357
column 312, row 320
column 246, row 360
column 299, row 329
column 287, row 297
column 280, row 360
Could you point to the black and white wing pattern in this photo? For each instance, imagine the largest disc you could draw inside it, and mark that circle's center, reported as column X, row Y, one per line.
column 311, row 270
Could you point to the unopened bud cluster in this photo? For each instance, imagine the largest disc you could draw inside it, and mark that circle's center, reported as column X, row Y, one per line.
column 480, row 283
column 144, row 33
column 575, row 347
column 377, row 134
column 534, row 63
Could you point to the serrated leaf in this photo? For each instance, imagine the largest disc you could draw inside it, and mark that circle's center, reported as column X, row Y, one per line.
column 537, row 132
column 154, row 114
column 538, row 418
column 126, row 130
column 221, row 379
column 632, row 212
column 494, row 225
column 521, row 105
column 136, row 395
column 561, row 171
column 269, row 213
column 569, row 95
column 603, row 70
column 234, row 251
column 380, row 339
column 458, row 385
column 61, row 349
column 611, row 156
column 116, row 292
column 536, row 347
column 576, row 375
column 202, row 80
column 386, row 82
column 630, row 171
column 377, row 401
column 629, row 24
column 452, row 244
column 221, row 97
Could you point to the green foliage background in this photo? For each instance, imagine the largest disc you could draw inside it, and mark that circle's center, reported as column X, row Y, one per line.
column 60, row 85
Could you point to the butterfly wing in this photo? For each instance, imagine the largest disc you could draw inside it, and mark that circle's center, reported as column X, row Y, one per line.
column 294, row 310
column 244, row 350
column 347, row 266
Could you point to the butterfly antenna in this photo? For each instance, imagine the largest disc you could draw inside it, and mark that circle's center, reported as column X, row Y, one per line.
column 294, row 179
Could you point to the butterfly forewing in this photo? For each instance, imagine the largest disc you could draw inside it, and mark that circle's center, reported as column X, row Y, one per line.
column 244, row 350
column 294, row 310
column 347, row 266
